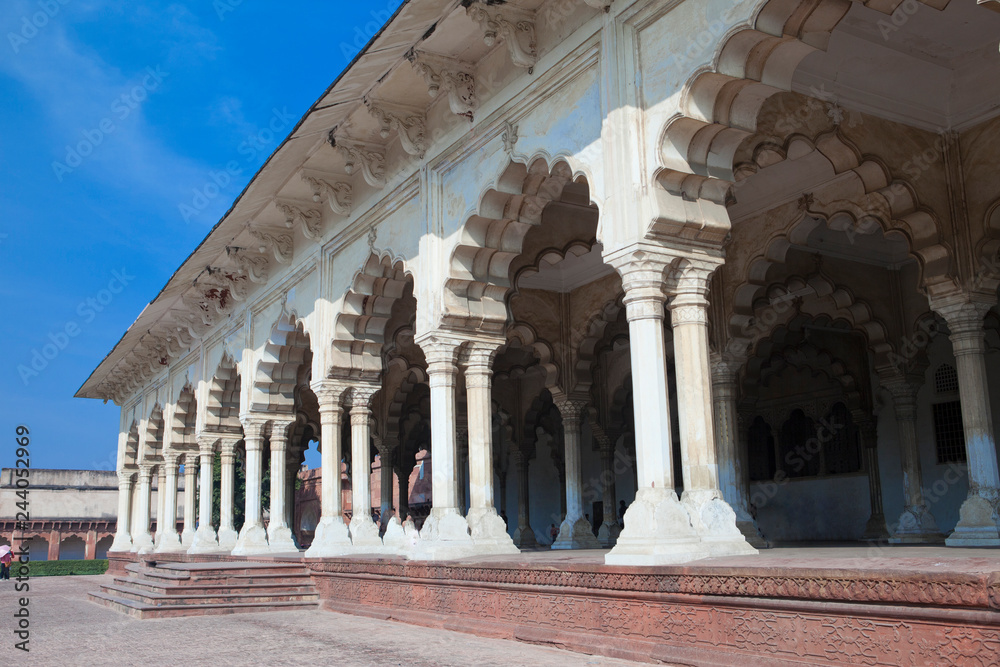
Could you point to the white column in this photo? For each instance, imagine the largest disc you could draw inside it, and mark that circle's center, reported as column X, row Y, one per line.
column 279, row 535
column 445, row 533
column 978, row 516
column 332, row 537
column 169, row 540
column 227, row 532
column 689, row 320
column 732, row 479
column 867, row 424
column 364, row 532
column 253, row 537
column 487, row 528
column 205, row 539
column 142, row 541
column 916, row 524
column 123, row 538
column 160, row 483
column 190, row 487
column 575, row 532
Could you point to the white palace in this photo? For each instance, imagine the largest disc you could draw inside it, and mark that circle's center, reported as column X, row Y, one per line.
column 734, row 264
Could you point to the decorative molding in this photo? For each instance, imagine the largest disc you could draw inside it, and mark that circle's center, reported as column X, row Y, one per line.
column 339, row 195
column 452, row 76
column 370, row 159
column 281, row 244
column 509, row 136
column 253, row 267
column 311, row 219
column 410, row 125
column 510, row 25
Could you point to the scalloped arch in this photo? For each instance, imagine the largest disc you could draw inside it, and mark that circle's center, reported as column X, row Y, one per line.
column 222, row 412
column 286, row 357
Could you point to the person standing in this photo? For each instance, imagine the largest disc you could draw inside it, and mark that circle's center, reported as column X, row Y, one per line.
column 5, row 560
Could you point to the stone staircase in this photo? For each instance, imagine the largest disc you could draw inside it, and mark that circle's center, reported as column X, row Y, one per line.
column 162, row 590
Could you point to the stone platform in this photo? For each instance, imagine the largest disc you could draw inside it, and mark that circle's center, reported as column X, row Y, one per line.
column 846, row 605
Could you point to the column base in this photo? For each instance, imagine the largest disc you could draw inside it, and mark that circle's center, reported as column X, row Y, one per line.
column 445, row 536
column 524, row 537
column 977, row 524
column 489, row 532
column 751, row 533
column 875, row 529
column 662, row 530
column 280, row 540
column 187, row 537
column 364, row 536
column 916, row 525
column 122, row 543
column 332, row 539
column 252, row 541
column 205, row 542
column 227, row 538
column 142, row 543
column 169, row 543
column 576, row 534
column 608, row 534
column 395, row 540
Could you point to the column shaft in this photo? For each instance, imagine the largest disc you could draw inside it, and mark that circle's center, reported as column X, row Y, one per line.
column 123, row 537
column 190, row 491
column 141, row 539
column 227, row 532
column 169, row 540
column 279, row 535
column 253, row 538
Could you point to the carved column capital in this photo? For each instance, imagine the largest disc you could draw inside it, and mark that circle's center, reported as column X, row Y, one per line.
column 145, row 472
column 206, row 443
column 571, row 409
column 441, row 353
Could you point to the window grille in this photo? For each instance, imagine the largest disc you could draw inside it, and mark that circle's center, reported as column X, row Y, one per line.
column 949, row 434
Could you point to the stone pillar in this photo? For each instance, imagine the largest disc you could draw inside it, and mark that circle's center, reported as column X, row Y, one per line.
column 445, row 533
column 253, row 537
column 55, row 537
column 659, row 529
column 575, row 532
column 90, row 545
column 142, row 541
column 364, row 533
column 190, row 486
column 700, row 468
column 732, row 478
column 978, row 524
column 332, row 537
column 205, row 539
column 403, row 479
column 279, row 535
column 609, row 530
column 916, row 524
column 489, row 532
column 227, row 532
column 386, row 450
column 875, row 529
column 160, row 483
column 524, row 536
column 169, row 540
column 123, row 538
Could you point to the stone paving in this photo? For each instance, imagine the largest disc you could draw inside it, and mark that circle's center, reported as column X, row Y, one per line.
column 67, row 629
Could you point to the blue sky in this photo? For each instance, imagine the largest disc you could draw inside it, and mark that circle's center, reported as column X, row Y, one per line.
column 114, row 119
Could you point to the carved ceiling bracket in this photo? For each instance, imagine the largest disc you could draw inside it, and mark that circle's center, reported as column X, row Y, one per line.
column 506, row 24
column 410, row 125
column 253, row 267
column 356, row 154
column 279, row 243
column 311, row 219
column 451, row 76
column 338, row 195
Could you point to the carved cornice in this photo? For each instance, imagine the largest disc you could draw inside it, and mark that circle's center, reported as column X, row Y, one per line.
column 410, row 125
column 356, row 154
column 281, row 244
column 338, row 194
column 311, row 219
column 506, row 24
column 454, row 77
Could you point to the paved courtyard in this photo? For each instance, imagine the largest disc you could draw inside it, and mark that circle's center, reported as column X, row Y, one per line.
column 67, row 629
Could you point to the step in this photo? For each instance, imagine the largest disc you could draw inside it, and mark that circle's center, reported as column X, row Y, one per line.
column 207, row 589
column 199, row 570
column 158, row 599
column 141, row 610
